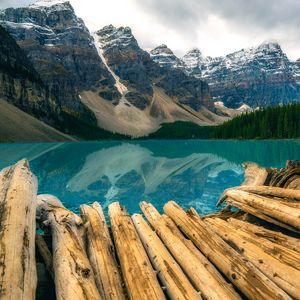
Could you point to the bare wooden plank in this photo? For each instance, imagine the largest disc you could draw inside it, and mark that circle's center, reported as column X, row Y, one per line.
column 18, row 190
column 100, row 252
column 206, row 279
column 140, row 279
column 74, row 277
column 243, row 274
column 171, row 275
column 285, row 276
column 271, row 235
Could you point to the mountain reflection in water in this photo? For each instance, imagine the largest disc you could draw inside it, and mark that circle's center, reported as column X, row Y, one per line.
column 193, row 173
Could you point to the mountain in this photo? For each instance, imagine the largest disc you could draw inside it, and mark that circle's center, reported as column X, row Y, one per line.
column 61, row 50
column 258, row 76
column 165, row 57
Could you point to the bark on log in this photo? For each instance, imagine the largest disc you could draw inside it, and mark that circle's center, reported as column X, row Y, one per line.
column 177, row 285
column 243, row 274
column 100, row 252
column 74, row 277
column 273, row 236
column 45, row 253
column 272, row 208
column 140, row 279
column 285, row 276
column 206, row 279
column 18, row 190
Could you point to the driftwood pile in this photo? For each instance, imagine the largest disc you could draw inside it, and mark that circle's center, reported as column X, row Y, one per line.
column 250, row 250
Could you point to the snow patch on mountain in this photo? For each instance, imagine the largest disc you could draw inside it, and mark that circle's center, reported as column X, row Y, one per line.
column 165, row 57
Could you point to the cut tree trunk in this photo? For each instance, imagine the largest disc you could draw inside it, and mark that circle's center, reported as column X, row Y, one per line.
column 272, row 208
column 255, row 175
column 178, row 287
column 243, row 274
column 273, row 236
column 101, row 254
column 140, row 279
column 195, row 265
column 18, row 190
column 285, row 276
column 74, row 277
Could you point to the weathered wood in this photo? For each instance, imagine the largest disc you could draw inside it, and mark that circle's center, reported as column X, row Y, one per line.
column 243, row 274
column 254, row 174
column 74, row 278
column 268, row 206
column 18, row 190
column 100, row 252
column 285, row 276
column 171, row 275
column 255, row 212
column 45, row 253
column 140, row 279
column 195, row 265
column 271, row 191
column 271, row 235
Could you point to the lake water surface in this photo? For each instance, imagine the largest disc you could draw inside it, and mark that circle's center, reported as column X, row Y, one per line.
column 193, row 173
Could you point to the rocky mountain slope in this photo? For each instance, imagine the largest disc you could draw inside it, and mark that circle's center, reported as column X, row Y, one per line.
column 257, row 76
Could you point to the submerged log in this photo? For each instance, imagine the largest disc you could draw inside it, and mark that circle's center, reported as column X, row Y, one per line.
column 267, row 206
column 18, row 190
column 273, row 236
column 74, row 278
column 140, row 279
column 101, row 254
column 178, row 287
column 285, row 276
column 204, row 276
column 243, row 274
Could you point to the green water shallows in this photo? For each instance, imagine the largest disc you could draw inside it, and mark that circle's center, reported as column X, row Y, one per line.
column 193, row 173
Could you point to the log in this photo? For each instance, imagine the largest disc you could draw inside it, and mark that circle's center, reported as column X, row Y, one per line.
column 100, row 251
column 18, row 190
column 255, row 175
column 285, row 276
column 273, row 236
column 205, row 277
column 243, row 274
column 171, row 275
column 272, row 208
column 248, row 209
column 74, row 278
column 271, row 191
column 45, row 253
column 140, row 279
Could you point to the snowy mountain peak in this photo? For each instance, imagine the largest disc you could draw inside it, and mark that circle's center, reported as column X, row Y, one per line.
column 193, row 61
column 165, row 57
column 57, row 4
column 111, row 36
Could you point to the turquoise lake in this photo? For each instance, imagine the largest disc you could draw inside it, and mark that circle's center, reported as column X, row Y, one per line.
column 193, row 173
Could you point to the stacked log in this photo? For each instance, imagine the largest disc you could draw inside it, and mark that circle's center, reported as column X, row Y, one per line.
column 73, row 274
column 18, row 190
column 140, row 279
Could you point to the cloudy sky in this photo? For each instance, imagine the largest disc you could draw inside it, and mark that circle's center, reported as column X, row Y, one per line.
column 216, row 27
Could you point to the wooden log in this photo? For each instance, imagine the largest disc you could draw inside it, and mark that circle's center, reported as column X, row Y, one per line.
column 248, row 209
column 272, row 208
column 45, row 253
column 18, row 190
column 140, row 279
column 243, row 274
column 205, row 277
column 171, row 275
column 254, row 175
column 74, row 277
column 271, row 191
column 101, row 254
column 285, row 255
column 285, row 276
column 271, row 235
